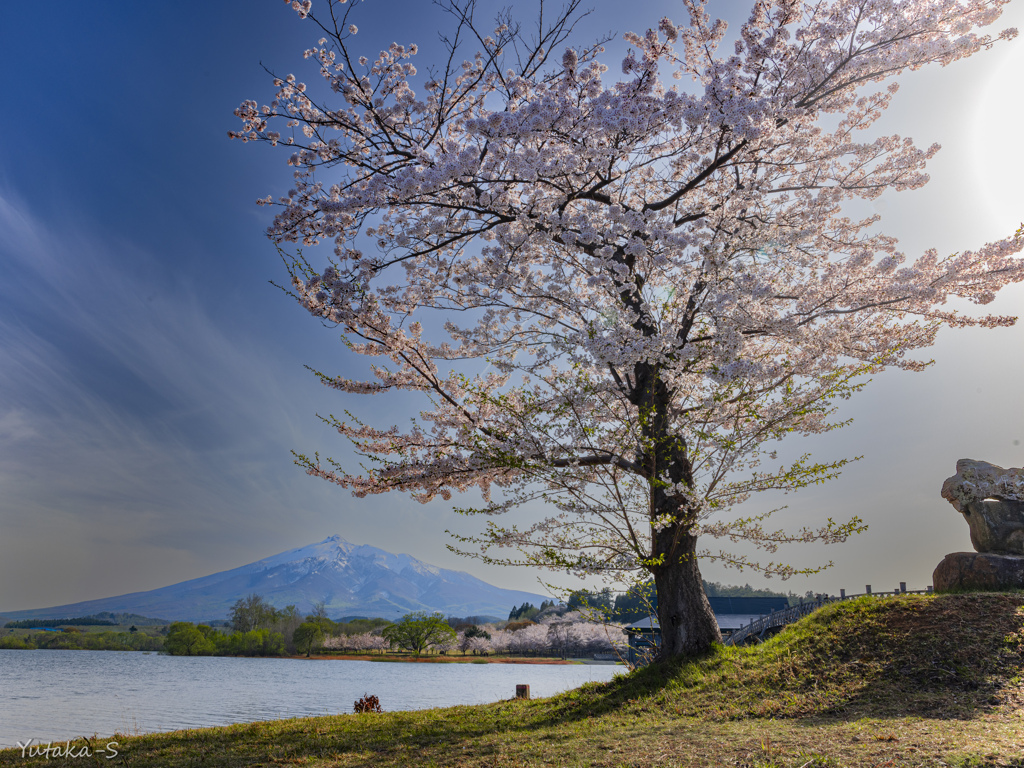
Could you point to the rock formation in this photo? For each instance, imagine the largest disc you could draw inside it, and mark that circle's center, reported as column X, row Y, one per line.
column 991, row 499
column 978, row 570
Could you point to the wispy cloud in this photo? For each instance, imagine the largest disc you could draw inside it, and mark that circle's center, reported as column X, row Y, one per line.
column 145, row 439
column 124, row 406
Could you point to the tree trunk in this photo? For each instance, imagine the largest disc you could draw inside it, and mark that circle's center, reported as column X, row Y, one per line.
column 688, row 625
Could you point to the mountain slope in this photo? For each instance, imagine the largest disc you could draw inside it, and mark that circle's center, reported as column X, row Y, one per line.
column 351, row 579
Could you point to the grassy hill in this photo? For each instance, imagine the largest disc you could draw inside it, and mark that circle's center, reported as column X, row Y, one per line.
column 909, row 681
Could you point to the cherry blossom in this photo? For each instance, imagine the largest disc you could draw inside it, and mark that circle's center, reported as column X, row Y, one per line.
column 364, row 642
column 616, row 294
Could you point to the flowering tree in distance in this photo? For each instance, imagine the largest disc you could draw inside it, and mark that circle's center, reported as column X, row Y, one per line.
column 618, row 292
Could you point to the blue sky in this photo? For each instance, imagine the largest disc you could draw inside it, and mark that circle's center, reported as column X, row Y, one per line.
column 152, row 381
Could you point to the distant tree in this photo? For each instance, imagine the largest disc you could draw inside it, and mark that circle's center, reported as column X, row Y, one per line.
column 307, row 635
column 638, row 603
column 360, row 626
column 560, row 636
column 597, row 602
column 476, row 645
column 418, row 631
column 524, row 612
column 319, row 617
column 530, row 640
column 252, row 612
column 186, row 639
column 367, row 641
column 589, row 638
column 287, row 621
column 255, row 642
column 319, row 611
column 714, row 589
column 15, row 642
column 515, row 626
column 82, row 621
column 123, row 619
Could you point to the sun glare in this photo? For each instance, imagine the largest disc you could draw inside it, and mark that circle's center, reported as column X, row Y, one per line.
column 999, row 141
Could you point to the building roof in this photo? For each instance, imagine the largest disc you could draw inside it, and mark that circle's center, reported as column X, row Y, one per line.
column 731, row 613
column 755, row 606
column 733, row 621
column 644, row 624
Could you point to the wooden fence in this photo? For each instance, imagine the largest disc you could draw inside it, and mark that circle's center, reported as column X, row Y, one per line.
column 760, row 628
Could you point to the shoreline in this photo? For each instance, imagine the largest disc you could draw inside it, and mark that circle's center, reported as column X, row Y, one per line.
column 437, row 659
column 363, row 657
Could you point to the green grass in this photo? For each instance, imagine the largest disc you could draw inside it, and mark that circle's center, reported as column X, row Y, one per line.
column 908, row 681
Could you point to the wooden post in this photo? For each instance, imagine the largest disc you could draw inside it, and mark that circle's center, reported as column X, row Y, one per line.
column 867, row 589
column 842, row 594
column 903, row 586
column 522, row 691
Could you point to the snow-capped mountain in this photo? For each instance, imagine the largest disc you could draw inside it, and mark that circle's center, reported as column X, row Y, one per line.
column 351, row 579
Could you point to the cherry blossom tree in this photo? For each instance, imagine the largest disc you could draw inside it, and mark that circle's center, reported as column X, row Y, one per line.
column 560, row 637
column 477, row 646
column 599, row 638
column 364, row 642
column 371, row 642
column 616, row 292
column 531, row 640
column 500, row 640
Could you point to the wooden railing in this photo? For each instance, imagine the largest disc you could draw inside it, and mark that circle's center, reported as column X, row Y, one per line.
column 761, row 627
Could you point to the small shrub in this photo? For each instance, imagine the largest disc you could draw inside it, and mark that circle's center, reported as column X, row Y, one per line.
column 368, row 703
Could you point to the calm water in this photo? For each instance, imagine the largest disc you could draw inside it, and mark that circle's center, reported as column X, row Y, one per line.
column 58, row 695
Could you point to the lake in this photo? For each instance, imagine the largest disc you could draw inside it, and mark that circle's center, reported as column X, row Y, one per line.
column 59, row 695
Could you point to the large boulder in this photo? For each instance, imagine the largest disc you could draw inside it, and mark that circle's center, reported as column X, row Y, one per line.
column 991, row 499
column 961, row 571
